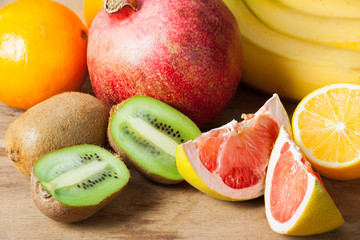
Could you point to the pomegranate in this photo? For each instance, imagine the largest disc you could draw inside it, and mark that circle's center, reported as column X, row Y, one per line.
column 186, row 53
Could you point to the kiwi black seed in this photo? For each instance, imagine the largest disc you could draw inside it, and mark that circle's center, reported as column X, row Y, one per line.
column 72, row 175
column 145, row 132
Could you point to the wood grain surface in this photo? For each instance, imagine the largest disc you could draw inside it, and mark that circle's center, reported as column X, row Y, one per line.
column 146, row 210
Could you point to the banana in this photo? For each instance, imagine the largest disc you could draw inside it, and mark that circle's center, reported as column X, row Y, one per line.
column 337, row 32
column 277, row 63
column 327, row 8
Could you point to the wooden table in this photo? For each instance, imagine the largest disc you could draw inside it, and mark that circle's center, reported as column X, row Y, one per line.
column 146, row 210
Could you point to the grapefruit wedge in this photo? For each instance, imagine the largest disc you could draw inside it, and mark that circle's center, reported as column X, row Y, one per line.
column 230, row 162
column 296, row 201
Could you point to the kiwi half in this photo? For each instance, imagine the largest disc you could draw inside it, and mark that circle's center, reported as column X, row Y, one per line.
column 80, row 178
column 145, row 132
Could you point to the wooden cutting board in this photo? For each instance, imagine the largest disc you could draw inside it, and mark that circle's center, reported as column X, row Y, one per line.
column 146, row 210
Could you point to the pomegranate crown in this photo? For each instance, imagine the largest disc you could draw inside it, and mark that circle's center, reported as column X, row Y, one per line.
column 113, row 6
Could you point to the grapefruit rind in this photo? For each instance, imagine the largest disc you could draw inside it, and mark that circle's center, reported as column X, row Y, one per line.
column 196, row 174
column 317, row 212
column 341, row 171
column 187, row 172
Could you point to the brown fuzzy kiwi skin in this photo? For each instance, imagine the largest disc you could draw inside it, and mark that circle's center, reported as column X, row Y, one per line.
column 63, row 120
column 59, row 212
column 127, row 159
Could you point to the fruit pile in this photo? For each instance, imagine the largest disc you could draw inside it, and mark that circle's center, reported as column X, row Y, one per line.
column 242, row 161
column 293, row 47
column 56, row 144
column 156, row 80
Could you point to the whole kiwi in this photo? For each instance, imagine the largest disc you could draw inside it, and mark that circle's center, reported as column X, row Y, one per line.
column 63, row 120
column 59, row 212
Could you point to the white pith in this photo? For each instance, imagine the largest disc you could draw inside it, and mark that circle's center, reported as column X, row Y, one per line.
column 275, row 155
column 337, row 126
column 161, row 140
column 274, row 107
column 76, row 175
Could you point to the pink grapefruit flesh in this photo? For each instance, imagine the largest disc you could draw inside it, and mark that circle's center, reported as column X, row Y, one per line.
column 289, row 186
column 232, row 160
column 296, row 201
column 235, row 156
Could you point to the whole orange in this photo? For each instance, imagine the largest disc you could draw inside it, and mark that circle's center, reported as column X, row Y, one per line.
column 91, row 8
column 42, row 52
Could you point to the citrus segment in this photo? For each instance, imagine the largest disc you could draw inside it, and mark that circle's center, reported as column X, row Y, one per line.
column 232, row 160
column 188, row 173
column 240, row 143
column 296, row 202
column 287, row 170
column 326, row 126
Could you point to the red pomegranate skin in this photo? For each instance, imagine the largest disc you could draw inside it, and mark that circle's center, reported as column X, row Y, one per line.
column 186, row 53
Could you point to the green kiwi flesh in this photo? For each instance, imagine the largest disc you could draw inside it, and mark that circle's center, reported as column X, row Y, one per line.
column 82, row 175
column 148, row 131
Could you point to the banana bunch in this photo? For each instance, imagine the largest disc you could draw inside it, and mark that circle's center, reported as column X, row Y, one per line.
column 293, row 47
